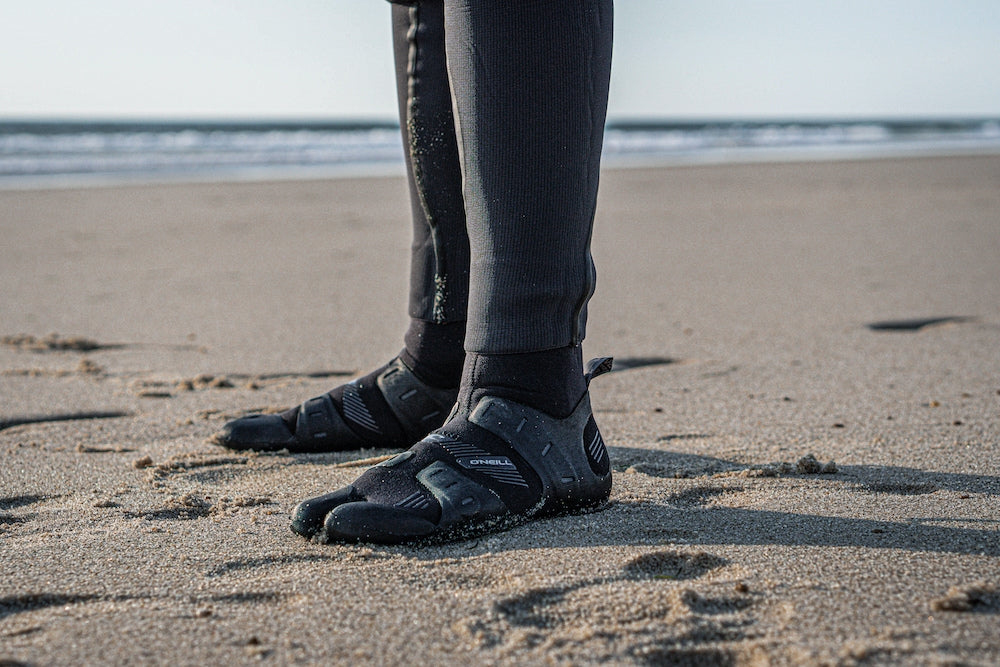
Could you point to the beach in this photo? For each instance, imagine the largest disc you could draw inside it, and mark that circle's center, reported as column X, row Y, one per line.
column 804, row 425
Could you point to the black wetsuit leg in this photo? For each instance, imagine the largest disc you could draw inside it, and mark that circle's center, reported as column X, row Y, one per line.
column 439, row 274
column 530, row 82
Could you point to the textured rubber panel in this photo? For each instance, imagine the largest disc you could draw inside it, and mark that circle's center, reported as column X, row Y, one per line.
column 319, row 427
column 418, row 407
column 554, row 448
column 461, row 499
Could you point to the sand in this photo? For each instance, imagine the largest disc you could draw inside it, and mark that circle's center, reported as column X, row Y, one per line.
column 805, row 428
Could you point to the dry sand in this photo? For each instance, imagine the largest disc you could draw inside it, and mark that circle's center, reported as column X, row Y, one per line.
column 740, row 302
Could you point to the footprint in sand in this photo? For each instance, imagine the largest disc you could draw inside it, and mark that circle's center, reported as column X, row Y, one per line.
column 675, row 565
column 661, row 601
column 265, row 562
column 628, row 363
column 191, row 464
column 916, row 324
column 16, row 502
column 19, row 420
column 700, row 496
column 54, row 343
column 979, row 598
column 19, row 604
column 898, row 489
column 192, row 506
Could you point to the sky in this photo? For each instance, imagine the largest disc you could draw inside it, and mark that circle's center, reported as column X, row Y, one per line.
column 331, row 59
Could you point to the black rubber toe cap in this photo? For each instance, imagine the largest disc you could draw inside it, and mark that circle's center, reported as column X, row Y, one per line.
column 368, row 522
column 259, row 432
column 309, row 515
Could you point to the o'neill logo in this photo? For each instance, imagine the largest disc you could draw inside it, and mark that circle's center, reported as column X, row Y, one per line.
column 486, row 462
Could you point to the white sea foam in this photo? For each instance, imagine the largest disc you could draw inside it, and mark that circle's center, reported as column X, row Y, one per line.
column 26, row 153
column 108, row 152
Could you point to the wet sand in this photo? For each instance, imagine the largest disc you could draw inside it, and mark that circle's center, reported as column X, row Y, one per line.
column 805, row 428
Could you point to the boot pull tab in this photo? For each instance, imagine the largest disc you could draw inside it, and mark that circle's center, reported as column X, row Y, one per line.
column 598, row 366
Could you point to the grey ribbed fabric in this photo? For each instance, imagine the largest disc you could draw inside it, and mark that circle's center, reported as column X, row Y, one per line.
column 530, row 87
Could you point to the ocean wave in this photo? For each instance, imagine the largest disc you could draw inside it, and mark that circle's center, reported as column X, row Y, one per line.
column 32, row 149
